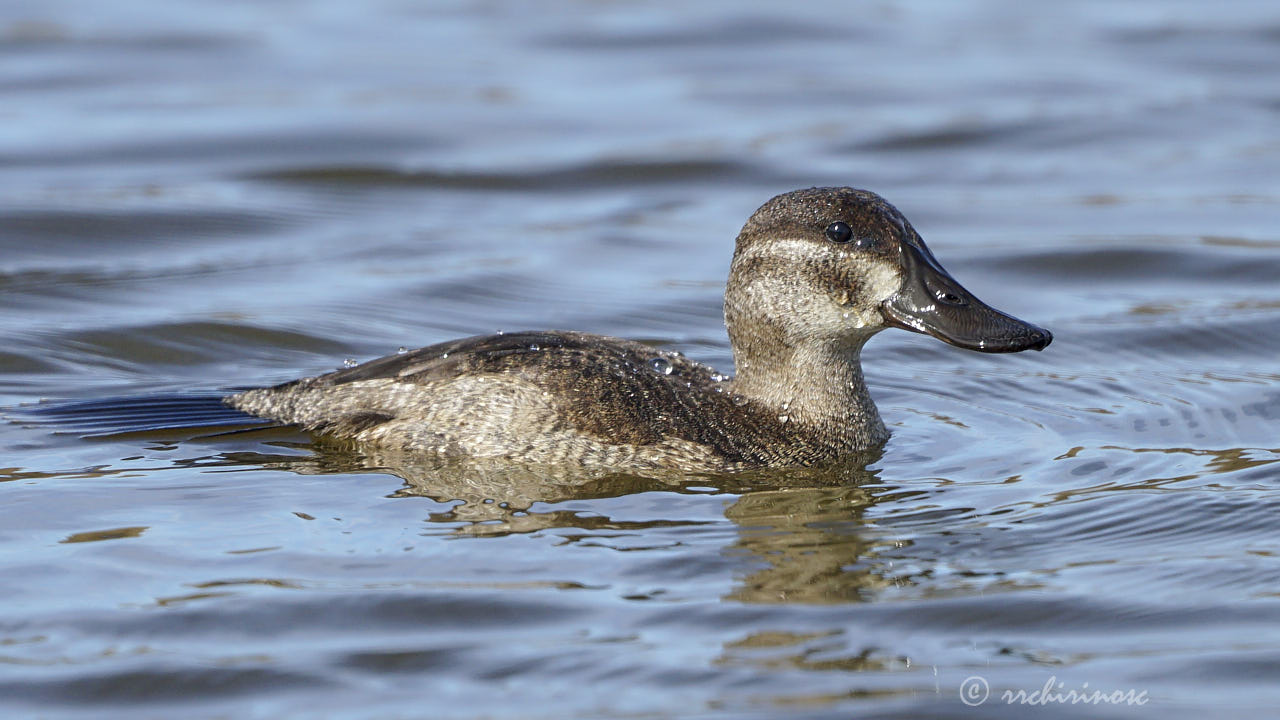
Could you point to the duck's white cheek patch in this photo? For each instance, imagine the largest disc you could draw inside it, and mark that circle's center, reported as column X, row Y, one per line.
column 798, row 288
column 883, row 282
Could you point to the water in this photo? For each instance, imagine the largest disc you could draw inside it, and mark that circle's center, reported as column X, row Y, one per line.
column 203, row 196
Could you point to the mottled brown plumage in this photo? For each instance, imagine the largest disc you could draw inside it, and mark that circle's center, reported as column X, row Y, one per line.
column 803, row 297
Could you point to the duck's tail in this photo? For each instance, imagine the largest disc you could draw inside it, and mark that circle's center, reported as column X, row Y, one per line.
column 139, row 414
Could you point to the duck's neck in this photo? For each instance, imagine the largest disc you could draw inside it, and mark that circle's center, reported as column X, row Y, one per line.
column 817, row 389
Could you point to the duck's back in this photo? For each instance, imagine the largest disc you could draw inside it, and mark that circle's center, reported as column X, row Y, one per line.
column 541, row 397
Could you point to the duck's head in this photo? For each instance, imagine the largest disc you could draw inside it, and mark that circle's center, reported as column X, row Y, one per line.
column 836, row 265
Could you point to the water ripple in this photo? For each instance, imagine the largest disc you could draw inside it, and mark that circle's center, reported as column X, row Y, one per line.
column 586, row 176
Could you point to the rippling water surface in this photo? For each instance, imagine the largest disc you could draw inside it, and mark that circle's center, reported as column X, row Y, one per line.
column 202, row 196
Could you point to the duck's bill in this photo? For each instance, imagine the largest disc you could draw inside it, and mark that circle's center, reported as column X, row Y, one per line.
column 932, row 302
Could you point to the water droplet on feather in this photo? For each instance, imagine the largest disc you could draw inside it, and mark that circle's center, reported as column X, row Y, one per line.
column 660, row 366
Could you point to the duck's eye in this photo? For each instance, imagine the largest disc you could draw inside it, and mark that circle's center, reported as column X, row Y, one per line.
column 839, row 232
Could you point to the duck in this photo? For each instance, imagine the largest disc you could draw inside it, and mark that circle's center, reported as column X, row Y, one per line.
column 815, row 274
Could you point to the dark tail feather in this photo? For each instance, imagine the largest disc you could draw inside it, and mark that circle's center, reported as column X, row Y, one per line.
column 139, row 414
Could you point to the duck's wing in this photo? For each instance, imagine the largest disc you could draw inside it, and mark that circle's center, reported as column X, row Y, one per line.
column 618, row 391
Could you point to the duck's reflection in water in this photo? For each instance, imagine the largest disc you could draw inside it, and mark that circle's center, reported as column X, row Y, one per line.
column 801, row 532
column 812, row 541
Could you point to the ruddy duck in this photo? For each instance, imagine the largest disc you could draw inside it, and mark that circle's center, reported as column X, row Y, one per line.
column 815, row 274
